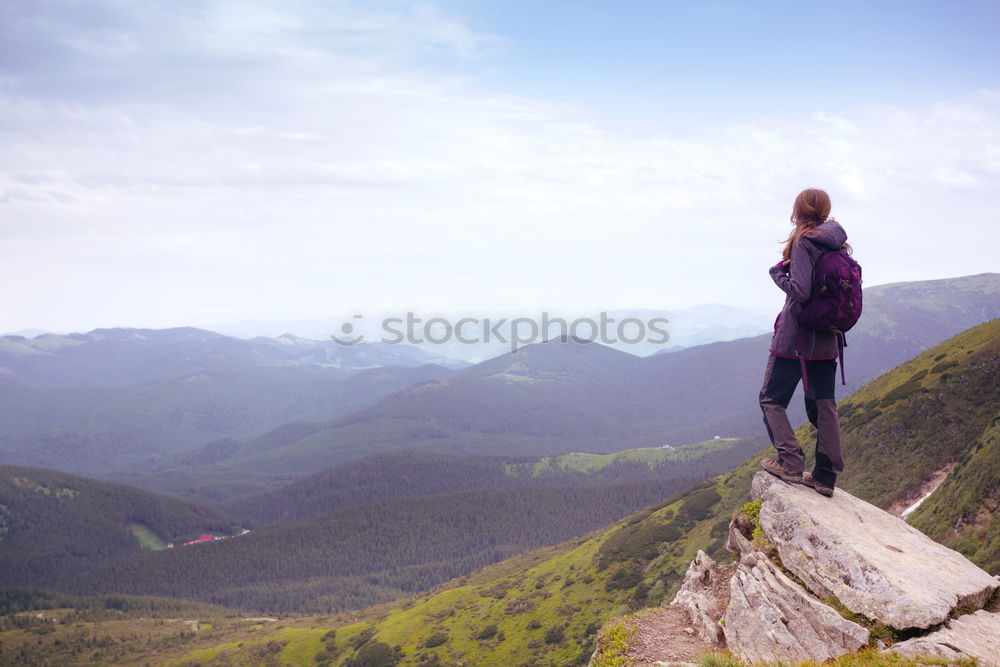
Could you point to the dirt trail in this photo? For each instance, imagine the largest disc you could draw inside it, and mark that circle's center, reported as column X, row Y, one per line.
column 906, row 504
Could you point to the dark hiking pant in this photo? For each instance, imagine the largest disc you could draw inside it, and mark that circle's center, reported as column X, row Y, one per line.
column 780, row 379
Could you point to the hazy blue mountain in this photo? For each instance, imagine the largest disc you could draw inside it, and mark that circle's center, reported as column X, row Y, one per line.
column 572, row 395
column 103, row 428
column 113, row 357
column 221, row 414
column 113, row 398
column 694, row 325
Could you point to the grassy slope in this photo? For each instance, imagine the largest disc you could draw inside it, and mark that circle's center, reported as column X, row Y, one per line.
column 419, row 472
column 639, row 561
column 651, row 456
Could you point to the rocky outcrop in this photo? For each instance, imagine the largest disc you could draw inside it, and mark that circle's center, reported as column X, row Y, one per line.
column 971, row 636
column 814, row 557
column 869, row 560
column 770, row 618
column 705, row 595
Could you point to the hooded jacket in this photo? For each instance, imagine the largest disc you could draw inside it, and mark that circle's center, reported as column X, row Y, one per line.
column 795, row 280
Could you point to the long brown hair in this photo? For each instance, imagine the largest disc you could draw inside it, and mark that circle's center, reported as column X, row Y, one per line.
column 810, row 210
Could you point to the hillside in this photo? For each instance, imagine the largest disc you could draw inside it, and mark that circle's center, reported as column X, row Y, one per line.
column 417, row 472
column 546, row 606
column 377, row 552
column 571, row 396
column 390, row 525
column 54, row 525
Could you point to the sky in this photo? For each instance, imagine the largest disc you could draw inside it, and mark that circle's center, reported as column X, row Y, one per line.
column 194, row 163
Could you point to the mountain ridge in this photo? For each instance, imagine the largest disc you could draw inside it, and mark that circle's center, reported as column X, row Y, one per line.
column 546, row 606
column 527, row 403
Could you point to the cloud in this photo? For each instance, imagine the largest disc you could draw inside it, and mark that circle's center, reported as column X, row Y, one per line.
column 304, row 159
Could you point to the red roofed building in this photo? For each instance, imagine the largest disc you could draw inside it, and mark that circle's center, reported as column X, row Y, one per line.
column 204, row 537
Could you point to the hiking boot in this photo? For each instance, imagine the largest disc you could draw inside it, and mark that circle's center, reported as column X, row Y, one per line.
column 780, row 471
column 821, row 489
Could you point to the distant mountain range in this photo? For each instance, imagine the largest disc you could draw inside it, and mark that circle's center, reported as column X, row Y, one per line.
column 695, row 325
column 570, row 395
column 118, row 357
column 208, row 416
column 113, row 398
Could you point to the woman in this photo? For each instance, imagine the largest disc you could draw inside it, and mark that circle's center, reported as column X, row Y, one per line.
column 815, row 233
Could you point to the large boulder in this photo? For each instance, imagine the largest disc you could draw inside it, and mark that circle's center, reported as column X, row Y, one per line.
column 971, row 636
column 771, row 618
column 872, row 562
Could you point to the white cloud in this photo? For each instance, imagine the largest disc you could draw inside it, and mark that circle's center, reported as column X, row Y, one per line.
column 306, row 160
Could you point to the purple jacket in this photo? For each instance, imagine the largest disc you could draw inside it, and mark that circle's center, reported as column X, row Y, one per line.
column 795, row 280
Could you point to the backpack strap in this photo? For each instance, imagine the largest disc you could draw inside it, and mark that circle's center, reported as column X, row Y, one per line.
column 841, row 344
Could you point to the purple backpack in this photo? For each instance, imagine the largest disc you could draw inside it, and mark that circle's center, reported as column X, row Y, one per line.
column 834, row 303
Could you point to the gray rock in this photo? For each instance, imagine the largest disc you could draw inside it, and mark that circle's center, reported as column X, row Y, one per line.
column 874, row 563
column 771, row 618
column 971, row 636
column 698, row 596
column 737, row 543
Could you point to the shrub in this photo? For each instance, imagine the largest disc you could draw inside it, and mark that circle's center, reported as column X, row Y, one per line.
column 520, row 606
column 362, row 638
column 943, row 366
column 436, row 639
column 376, row 654
column 624, row 577
column 613, row 644
column 555, row 634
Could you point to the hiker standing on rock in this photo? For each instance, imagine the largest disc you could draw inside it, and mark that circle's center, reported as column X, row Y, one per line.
column 798, row 352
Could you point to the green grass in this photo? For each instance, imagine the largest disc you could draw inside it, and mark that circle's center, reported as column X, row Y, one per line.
column 303, row 644
column 717, row 659
column 147, row 538
column 651, row 456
